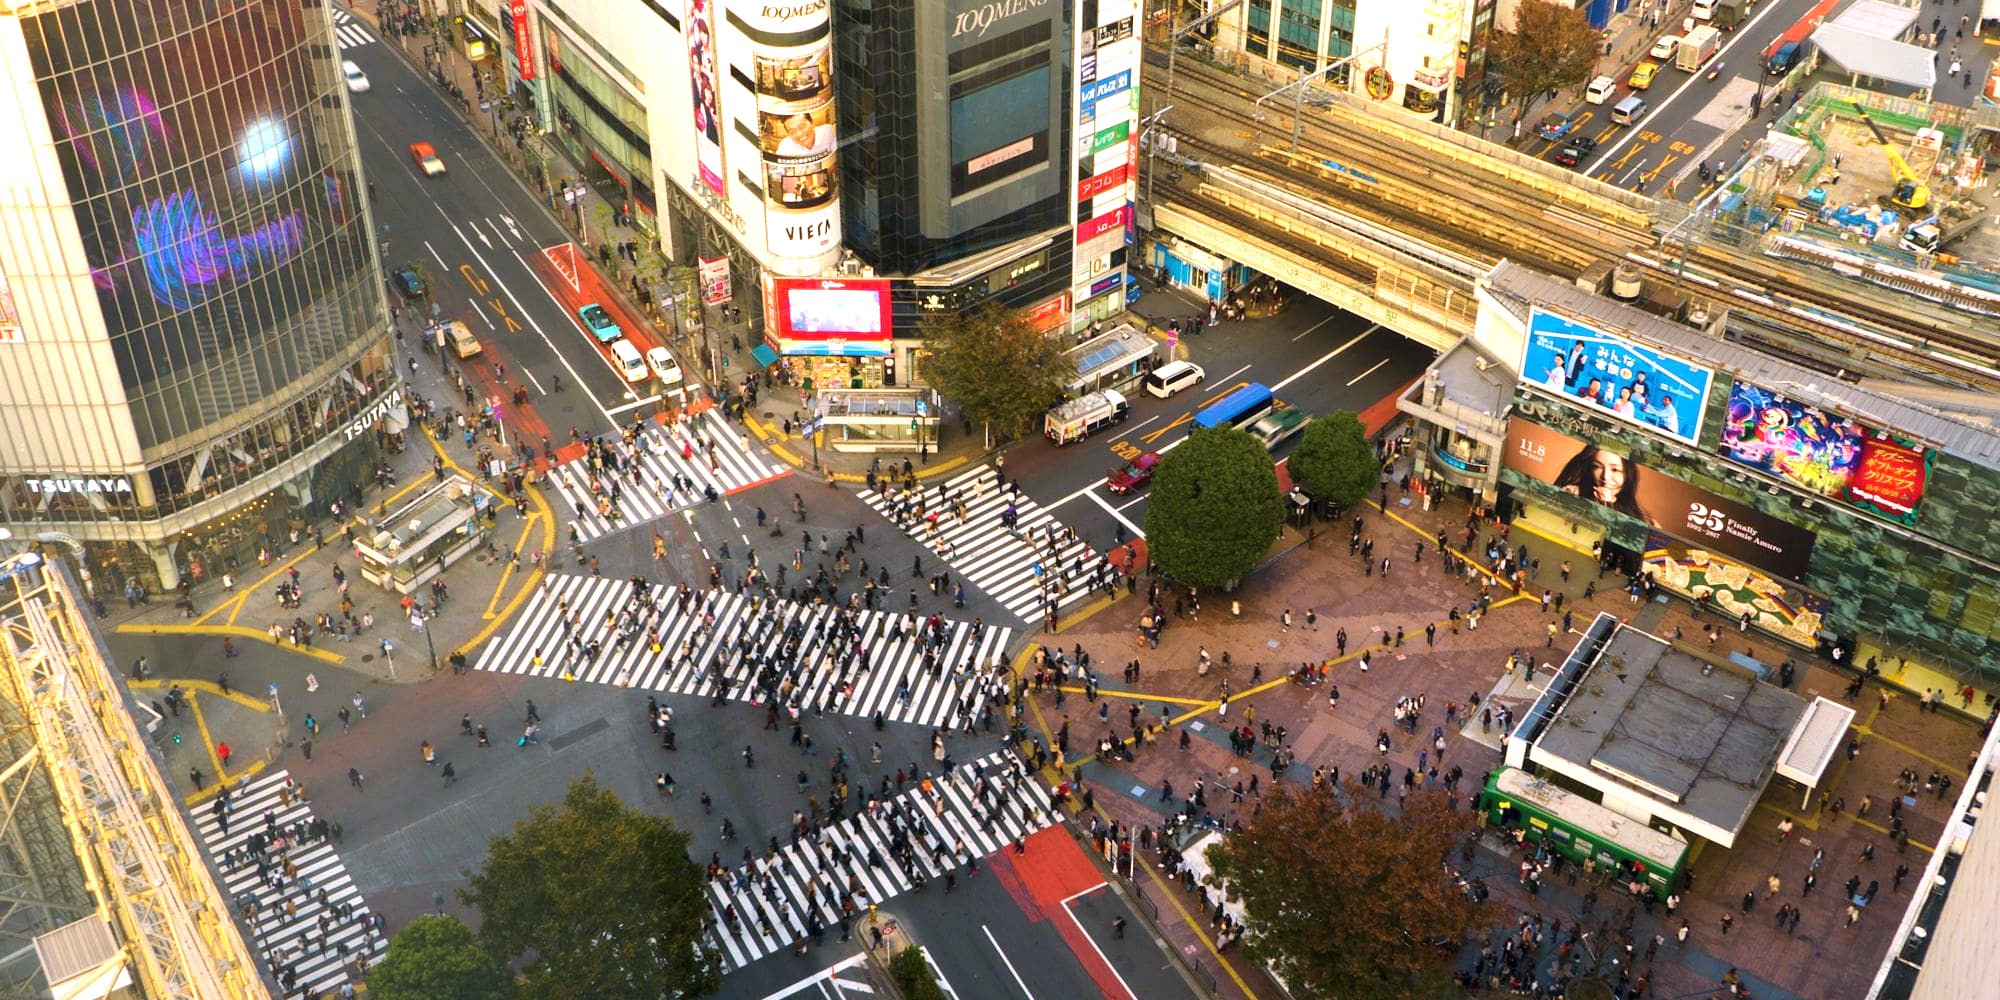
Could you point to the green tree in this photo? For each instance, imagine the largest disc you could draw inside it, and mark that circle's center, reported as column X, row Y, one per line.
column 1334, row 460
column 914, row 976
column 1000, row 371
column 435, row 958
column 595, row 901
column 1344, row 900
column 1214, row 509
column 1551, row 46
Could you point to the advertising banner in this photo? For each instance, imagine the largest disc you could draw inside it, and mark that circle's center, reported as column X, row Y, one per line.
column 700, row 31
column 714, row 280
column 797, row 135
column 1636, row 384
column 1090, row 229
column 824, row 316
column 524, row 41
column 1735, row 589
column 1666, row 504
column 1826, row 453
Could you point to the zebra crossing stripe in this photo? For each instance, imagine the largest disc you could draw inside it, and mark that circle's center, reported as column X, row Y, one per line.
column 694, row 659
column 803, row 878
column 282, row 940
column 981, row 549
column 661, row 456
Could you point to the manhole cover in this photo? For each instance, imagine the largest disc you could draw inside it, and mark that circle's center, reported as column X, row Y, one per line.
column 368, row 657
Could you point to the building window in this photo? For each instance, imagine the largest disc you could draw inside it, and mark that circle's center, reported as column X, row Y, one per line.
column 1298, row 33
column 1260, row 25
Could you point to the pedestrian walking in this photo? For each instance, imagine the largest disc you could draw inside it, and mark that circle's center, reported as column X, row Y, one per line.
column 354, row 778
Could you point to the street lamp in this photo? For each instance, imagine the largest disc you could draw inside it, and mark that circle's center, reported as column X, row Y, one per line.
column 1146, row 127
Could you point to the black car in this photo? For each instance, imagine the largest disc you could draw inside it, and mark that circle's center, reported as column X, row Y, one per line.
column 1573, row 151
column 410, row 283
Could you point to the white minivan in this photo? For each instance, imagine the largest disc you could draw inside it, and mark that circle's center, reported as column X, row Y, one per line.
column 1172, row 377
column 1600, row 90
column 630, row 363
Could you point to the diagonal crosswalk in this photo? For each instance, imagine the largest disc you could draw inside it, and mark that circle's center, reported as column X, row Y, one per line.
column 662, row 470
column 1024, row 568
column 778, row 899
column 805, row 654
column 351, row 32
column 276, row 863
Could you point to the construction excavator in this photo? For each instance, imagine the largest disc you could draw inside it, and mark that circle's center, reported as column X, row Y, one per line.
column 1910, row 193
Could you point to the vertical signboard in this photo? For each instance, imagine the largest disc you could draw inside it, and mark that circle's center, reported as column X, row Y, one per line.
column 707, row 103
column 791, row 51
column 524, row 42
column 714, row 280
column 1107, row 103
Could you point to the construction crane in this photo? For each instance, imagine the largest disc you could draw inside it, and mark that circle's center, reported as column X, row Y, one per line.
column 1911, row 193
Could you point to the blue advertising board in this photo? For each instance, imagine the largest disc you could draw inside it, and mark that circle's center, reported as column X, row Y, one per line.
column 1604, row 372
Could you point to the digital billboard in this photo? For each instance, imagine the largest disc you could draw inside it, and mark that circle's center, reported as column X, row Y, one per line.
column 1610, row 374
column 823, row 316
column 702, row 91
column 797, row 137
column 1665, row 504
column 1826, row 453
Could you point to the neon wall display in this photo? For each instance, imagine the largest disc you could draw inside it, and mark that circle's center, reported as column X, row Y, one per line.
column 216, row 216
column 1607, row 373
column 700, row 32
column 832, row 317
column 1829, row 454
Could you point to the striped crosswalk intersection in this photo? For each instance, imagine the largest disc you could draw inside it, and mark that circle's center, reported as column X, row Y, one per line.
column 664, row 469
column 351, row 32
column 964, row 521
column 276, row 863
column 935, row 827
column 905, row 669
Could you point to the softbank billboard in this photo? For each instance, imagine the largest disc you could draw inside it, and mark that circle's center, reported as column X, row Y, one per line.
column 797, row 137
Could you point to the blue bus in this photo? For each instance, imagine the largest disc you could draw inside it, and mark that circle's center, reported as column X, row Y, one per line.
column 1238, row 409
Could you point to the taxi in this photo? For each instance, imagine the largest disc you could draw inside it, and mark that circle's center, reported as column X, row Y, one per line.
column 427, row 159
column 1643, row 74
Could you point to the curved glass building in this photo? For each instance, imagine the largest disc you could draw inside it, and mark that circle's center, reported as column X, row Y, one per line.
column 194, row 348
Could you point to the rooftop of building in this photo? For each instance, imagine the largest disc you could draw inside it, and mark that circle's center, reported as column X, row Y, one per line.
column 1695, row 736
column 1527, row 287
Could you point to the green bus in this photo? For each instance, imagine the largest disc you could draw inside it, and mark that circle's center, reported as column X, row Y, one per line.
column 1582, row 830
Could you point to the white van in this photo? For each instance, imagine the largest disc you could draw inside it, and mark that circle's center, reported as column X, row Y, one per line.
column 1704, row 10
column 1600, row 90
column 1628, row 111
column 1174, row 376
column 1078, row 418
column 628, row 360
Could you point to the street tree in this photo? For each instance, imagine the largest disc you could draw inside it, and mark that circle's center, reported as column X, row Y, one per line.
column 435, row 958
column 1551, row 46
column 1214, row 509
column 1334, row 460
column 1343, row 899
column 1001, row 371
column 595, row 900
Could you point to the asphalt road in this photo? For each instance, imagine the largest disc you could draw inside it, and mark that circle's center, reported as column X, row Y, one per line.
column 1312, row 355
column 492, row 257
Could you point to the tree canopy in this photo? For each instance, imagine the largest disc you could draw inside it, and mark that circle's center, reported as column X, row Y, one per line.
column 1214, row 509
column 995, row 365
column 1345, row 900
column 595, row 901
column 435, row 958
column 1551, row 46
column 1334, row 460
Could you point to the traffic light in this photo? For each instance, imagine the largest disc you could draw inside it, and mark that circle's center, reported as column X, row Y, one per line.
column 177, row 738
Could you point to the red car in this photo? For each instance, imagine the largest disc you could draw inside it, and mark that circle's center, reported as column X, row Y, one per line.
column 1133, row 475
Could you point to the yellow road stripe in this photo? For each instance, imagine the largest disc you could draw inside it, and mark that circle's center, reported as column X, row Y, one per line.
column 237, row 631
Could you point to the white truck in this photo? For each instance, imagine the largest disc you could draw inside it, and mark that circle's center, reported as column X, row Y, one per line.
column 1698, row 47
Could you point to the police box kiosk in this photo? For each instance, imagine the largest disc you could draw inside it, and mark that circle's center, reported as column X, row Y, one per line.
column 1079, row 418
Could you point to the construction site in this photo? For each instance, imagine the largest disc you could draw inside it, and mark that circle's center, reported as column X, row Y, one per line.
column 104, row 893
column 1851, row 179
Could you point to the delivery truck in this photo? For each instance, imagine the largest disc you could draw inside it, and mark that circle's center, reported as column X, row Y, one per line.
column 1698, row 47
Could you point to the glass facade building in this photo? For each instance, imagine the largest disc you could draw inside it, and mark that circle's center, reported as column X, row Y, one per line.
column 199, row 320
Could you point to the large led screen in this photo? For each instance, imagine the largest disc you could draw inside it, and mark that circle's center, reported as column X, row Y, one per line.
column 1610, row 374
column 819, row 316
column 1826, row 453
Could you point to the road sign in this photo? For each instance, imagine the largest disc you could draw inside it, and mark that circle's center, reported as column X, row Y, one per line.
column 923, row 407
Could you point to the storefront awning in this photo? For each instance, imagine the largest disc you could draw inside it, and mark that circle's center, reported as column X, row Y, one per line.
column 1814, row 741
column 764, row 355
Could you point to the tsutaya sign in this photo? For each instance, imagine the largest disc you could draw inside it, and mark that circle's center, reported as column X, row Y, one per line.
column 980, row 18
column 113, row 484
column 360, row 424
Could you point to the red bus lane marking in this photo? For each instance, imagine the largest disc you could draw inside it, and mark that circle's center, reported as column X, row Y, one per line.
column 581, row 287
column 1056, row 871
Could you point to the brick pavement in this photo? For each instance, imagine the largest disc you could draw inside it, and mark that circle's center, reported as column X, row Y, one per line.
column 1326, row 579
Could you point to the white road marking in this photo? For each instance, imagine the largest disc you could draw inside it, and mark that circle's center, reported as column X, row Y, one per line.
column 1113, row 511
column 1370, row 371
column 1009, row 963
column 1734, row 39
column 1093, row 941
column 1328, row 356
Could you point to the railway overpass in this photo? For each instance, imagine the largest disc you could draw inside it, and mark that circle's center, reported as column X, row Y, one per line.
column 1395, row 218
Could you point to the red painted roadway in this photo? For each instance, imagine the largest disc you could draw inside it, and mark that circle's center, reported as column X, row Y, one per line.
column 1054, row 869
